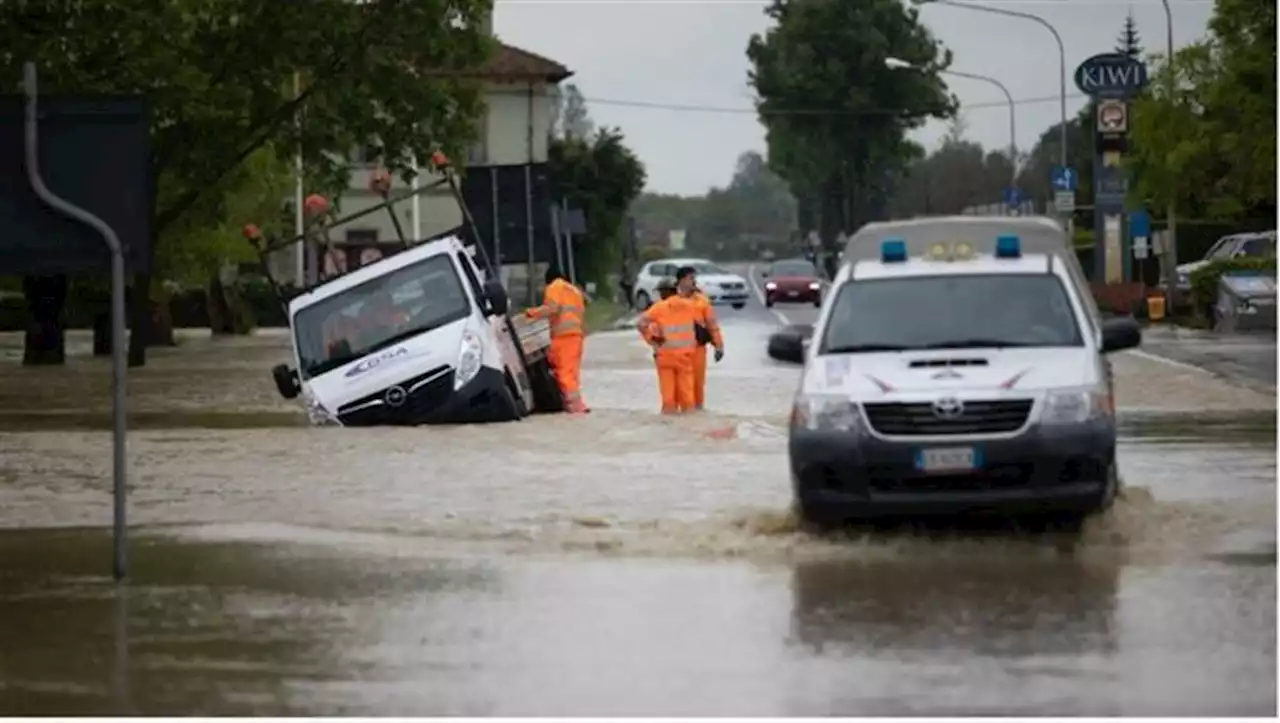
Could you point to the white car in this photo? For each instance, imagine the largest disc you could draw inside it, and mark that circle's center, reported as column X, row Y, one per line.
column 720, row 286
column 1229, row 247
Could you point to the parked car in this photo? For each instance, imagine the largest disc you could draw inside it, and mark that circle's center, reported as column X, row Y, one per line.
column 720, row 286
column 1262, row 243
column 792, row 280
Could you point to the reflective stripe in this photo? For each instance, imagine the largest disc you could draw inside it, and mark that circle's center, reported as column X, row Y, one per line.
column 564, row 308
column 566, row 326
column 678, row 344
column 677, row 328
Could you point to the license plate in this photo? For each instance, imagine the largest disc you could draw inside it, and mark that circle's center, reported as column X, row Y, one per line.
column 948, row 459
column 793, row 293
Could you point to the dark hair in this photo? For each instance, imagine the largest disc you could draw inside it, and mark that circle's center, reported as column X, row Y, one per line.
column 553, row 273
column 684, row 271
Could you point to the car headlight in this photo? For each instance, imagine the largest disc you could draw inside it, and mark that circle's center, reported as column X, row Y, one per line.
column 470, row 359
column 1184, row 279
column 826, row 413
column 317, row 414
column 770, row 286
column 1077, row 406
column 814, row 286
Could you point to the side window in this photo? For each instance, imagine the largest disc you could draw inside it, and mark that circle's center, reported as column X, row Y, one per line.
column 472, row 280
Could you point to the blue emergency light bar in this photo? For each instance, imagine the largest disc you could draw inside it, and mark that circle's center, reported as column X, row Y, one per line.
column 893, row 250
column 1008, row 247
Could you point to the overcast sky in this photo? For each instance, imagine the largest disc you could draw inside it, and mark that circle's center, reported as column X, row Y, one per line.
column 692, row 53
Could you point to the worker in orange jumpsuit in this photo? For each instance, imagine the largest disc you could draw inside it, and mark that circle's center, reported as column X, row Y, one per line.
column 668, row 324
column 708, row 334
column 564, row 304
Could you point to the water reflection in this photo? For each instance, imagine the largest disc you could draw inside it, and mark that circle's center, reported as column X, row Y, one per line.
column 993, row 607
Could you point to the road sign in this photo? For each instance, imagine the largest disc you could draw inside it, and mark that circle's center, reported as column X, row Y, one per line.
column 1012, row 197
column 1063, row 178
column 1064, row 201
column 1139, row 223
column 1111, row 75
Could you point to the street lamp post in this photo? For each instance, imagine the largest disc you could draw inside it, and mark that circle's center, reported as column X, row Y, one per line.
column 1013, row 128
column 1171, row 231
column 1062, row 58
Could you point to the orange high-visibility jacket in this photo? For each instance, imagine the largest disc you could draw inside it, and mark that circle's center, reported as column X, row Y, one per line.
column 564, row 305
column 707, row 317
column 673, row 320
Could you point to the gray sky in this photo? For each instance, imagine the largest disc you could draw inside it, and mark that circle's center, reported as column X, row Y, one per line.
column 693, row 53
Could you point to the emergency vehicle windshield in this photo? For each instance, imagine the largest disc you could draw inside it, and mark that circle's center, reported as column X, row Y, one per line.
column 951, row 312
column 379, row 313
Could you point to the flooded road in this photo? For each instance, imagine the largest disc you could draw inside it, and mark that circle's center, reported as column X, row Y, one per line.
column 617, row 564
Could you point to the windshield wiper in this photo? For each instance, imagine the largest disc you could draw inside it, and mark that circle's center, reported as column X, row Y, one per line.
column 859, row 348
column 972, row 343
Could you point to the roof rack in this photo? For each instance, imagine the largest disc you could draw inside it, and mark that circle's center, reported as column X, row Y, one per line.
column 1037, row 234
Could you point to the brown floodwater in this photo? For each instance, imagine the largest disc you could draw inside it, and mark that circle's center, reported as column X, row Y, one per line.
column 621, row 563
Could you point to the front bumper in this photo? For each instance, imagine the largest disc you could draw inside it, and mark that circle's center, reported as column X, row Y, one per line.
column 847, row 477
column 727, row 296
column 483, row 399
column 797, row 295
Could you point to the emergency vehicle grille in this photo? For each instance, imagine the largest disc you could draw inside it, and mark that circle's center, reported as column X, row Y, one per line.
column 733, row 286
column 423, row 395
column 917, row 419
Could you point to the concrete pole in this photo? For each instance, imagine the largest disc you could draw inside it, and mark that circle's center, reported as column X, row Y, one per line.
column 1171, row 232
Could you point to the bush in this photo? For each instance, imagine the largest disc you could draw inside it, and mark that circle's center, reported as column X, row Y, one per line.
column 1204, row 281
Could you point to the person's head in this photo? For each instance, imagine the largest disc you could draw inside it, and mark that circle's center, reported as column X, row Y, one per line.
column 553, row 273
column 686, row 279
column 666, row 288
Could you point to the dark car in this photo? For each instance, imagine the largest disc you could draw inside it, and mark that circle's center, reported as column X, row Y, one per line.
column 792, row 280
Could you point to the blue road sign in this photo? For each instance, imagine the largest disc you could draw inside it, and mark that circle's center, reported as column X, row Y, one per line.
column 1063, row 178
column 1139, row 223
column 1012, row 198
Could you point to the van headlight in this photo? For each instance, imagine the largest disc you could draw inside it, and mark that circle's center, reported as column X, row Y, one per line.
column 1077, row 406
column 470, row 359
column 317, row 414
column 826, row 413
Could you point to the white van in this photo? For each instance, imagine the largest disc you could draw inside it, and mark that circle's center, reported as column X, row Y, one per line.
column 957, row 367
column 415, row 338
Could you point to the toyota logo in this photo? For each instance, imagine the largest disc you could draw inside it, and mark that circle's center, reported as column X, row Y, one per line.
column 948, row 408
column 396, row 396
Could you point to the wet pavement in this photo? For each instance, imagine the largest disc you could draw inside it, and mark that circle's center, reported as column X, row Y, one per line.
column 557, row 567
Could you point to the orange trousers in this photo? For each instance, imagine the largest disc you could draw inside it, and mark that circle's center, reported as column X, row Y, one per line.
column 565, row 357
column 699, row 376
column 675, row 380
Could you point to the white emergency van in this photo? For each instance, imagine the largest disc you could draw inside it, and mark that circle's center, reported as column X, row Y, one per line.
column 957, row 367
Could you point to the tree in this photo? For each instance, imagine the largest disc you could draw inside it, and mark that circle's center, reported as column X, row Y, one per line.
column 836, row 117
column 218, row 76
column 1037, row 168
column 571, row 119
column 1210, row 144
column 959, row 174
column 1129, row 42
column 601, row 176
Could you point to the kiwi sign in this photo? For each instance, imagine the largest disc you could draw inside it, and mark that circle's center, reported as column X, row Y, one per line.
column 1111, row 75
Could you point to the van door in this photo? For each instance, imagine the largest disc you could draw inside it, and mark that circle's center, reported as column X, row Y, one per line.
column 499, row 329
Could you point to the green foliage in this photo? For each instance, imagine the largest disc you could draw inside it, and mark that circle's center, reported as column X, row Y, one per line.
column 1205, row 280
column 1205, row 133
column 601, row 176
column 1129, row 41
column 219, row 77
column 957, row 175
column 836, row 116
column 1037, row 167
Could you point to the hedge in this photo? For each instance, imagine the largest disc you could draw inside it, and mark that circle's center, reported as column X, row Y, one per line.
column 1205, row 280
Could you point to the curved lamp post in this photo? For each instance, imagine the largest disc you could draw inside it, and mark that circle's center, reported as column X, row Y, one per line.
column 1062, row 58
column 1013, row 128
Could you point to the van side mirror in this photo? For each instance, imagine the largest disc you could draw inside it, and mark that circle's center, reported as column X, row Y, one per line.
column 287, row 382
column 1120, row 332
column 499, row 304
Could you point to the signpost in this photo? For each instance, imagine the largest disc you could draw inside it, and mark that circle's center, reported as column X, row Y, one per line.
column 1063, row 180
column 1111, row 79
column 1012, row 200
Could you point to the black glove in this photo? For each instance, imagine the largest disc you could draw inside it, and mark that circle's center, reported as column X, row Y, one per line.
column 719, row 355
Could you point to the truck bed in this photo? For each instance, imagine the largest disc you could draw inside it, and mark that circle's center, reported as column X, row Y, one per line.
column 535, row 335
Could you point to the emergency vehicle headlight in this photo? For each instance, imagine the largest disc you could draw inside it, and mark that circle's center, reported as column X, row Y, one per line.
column 962, row 252
column 825, row 413
column 893, row 250
column 1008, row 247
column 317, row 414
column 1076, row 406
column 470, row 359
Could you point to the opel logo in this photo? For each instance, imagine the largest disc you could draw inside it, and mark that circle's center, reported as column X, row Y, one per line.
column 948, row 408
column 396, row 396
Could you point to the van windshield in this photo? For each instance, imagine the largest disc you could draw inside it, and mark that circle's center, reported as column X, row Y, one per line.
column 951, row 312
column 378, row 313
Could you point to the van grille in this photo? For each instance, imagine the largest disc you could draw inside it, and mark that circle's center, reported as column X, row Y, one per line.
column 424, row 395
column 917, row 419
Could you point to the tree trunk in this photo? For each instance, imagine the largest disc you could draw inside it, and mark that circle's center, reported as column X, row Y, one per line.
column 161, row 324
column 45, row 340
column 102, row 334
column 220, row 319
column 140, row 323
